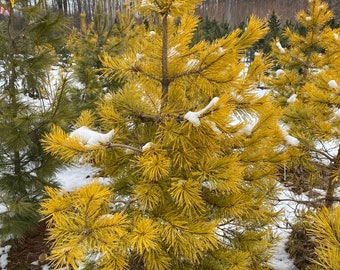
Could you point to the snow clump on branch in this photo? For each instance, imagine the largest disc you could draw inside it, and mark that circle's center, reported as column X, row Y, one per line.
column 192, row 63
column 194, row 117
column 90, row 137
column 332, row 84
column 288, row 138
column 292, row 98
column 147, row 146
column 279, row 46
column 279, row 72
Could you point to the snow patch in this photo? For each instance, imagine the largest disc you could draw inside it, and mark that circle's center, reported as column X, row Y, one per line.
column 3, row 208
column 292, row 98
column 139, row 56
column 336, row 36
column 4, row 256
column 172, row 51
column 221, row 50
column 308, row 18
column 147, row 146
column 337, row 112
column 214, row 127
column 90, row 137
column 321, row 7
column 279, row 46
column 246, row 130
column 72, row 177
column 290, row 140
column 192, row 63
column 332, row 84
column 279, row 72
column 194, row 117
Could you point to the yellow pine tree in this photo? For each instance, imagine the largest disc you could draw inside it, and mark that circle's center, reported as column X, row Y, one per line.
column 191, row 149
column 306, row 86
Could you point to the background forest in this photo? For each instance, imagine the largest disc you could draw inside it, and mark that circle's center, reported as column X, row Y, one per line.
column 197, row 123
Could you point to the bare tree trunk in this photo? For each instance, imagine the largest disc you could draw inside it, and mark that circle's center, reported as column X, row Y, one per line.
column 65, row 7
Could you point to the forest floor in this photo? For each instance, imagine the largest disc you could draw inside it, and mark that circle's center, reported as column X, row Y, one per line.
column 29, row 253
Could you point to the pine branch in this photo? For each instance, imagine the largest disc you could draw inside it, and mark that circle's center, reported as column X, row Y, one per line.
column 117, row 145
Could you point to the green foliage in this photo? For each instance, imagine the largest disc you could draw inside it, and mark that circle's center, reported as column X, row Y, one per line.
column 275, row 32
column 26, row 58
column 87, row 44
column 210, row 30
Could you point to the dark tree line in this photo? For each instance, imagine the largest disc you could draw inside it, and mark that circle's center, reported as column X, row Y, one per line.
column 73, row 8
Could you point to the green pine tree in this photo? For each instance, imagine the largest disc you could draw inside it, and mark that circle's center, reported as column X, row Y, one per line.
column 191, row 150
column 87, row 44
column 210, row 30
column 264, row 44
column 28, row 107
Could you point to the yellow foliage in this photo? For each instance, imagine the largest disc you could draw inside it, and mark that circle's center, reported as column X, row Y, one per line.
column 154, row 166
column 187, row 195
column 145, row 236
column 79, row 224
column 164, row 7
column 148, row 195
column 176, row 182
column 324, row 227
column 70, row 149
column 306, row 89
column 86, row 118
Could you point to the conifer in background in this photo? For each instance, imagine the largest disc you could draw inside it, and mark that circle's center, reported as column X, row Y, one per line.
column 87, row 44
column 307, row 88
column 191, row 151
column 29, row 37
column 274, row 32
column 210, row 30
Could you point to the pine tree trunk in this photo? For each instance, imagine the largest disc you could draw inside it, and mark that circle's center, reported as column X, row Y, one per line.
column 165, row 79
column 332, row 182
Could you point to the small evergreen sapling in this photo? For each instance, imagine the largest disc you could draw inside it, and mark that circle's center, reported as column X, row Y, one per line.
column 28, row 108
column 87, row 44
column 192, row 160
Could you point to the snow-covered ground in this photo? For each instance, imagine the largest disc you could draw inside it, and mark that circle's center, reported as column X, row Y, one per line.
column 287, row 205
